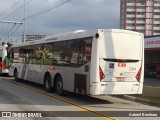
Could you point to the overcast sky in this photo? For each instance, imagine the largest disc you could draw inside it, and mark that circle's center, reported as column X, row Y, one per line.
column 58, row 16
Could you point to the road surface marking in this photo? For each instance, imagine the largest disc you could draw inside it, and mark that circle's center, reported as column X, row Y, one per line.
column 68, row 102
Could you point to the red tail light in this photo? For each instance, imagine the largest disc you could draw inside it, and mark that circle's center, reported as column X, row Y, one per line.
column 101, row 74
column 3, row 65
column 138, row 76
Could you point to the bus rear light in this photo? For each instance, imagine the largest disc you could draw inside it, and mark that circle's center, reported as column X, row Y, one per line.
column 101, row 74
column 3, row 65
column 138, row 76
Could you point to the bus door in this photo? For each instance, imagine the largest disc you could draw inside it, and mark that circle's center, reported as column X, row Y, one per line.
column 82, row 69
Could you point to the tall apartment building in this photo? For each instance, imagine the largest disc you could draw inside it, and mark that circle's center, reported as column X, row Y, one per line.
column 141, row 16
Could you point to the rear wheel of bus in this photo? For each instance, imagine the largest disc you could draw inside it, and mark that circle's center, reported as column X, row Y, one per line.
column 59, row 86
column 47, row 83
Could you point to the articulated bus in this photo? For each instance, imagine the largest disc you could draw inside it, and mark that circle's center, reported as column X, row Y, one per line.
column 93, row 62
column 4, row 61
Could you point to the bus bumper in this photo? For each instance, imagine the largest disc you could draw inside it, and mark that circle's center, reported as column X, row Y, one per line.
column 117, row 88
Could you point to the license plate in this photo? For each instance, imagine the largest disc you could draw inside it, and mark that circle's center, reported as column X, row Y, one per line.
column 120, row 79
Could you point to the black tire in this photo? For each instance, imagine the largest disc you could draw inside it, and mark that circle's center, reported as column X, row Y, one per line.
column 47, row 83
column 59, row 86
column 16, row 76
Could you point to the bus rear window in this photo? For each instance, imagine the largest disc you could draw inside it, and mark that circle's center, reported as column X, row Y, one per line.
column 119, row 60
column 121, row 46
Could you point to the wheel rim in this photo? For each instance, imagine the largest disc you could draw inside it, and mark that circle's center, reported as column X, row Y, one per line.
column 59, row 85
column 16, row 75
column 47, row 84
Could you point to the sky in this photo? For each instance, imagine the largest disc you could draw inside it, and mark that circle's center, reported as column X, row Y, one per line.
column 51, row 17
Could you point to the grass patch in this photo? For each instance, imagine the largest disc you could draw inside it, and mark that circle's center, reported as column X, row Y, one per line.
column 156, row 99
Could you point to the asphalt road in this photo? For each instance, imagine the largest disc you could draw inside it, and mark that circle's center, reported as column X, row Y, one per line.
column 27, row 97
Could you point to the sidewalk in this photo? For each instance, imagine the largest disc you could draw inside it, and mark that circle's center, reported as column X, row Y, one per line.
column 154, row 82
column 141, row 100
column 151, row 88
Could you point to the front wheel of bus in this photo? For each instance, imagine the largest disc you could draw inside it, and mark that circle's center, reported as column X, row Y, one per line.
column 47, row 83
column 16, row 76
column 59, row 86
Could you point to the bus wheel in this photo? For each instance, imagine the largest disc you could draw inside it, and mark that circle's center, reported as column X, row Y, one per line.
column 47, row 83
column 59, row 86
column 16, row 76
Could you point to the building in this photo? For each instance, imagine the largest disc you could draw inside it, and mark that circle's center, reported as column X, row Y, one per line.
column 32, row 37
column 141, row 16
column 152, row 49
column 152, row 53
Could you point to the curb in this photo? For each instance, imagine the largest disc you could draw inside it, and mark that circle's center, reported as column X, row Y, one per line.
column 148, row 102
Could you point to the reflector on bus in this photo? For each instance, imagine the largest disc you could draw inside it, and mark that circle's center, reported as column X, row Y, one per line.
column 138, row 76
column 101, row 74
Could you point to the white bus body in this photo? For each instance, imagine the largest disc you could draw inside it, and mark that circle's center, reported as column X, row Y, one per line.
column 95, row 62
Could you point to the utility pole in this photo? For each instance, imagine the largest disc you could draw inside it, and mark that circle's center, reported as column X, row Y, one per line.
column 24, row 23
column 8, row 32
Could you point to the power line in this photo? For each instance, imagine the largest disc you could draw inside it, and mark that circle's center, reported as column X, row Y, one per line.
column 2, row 33
column 13, row 22
column 16, row 29
column 90, row 6
column 10, row 7
column 49, row 6
column 78, row 11
column 10, row 31
column 48, row 9
column 6, row 34
column 12, row 28
column 57, row 4
column 17, row 9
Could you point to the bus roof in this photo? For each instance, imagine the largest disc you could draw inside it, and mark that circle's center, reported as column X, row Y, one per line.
column 73, row 35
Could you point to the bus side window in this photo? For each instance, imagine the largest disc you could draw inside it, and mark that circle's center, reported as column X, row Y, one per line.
column 60, row 53
column 85, row 51
column 73, row 52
